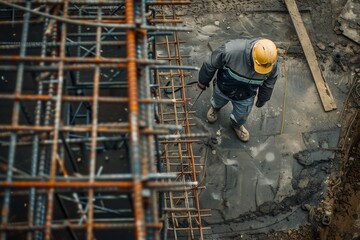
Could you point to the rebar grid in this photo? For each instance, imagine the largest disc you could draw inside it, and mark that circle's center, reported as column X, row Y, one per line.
column 183, row 212
column 84, row 122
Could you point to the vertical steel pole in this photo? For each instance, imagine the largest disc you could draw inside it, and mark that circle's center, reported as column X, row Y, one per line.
column 134, row 122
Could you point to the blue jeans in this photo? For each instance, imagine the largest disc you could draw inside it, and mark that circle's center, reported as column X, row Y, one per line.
column 241, row 108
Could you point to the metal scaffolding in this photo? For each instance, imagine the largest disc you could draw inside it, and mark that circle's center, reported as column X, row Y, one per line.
column 95, row 130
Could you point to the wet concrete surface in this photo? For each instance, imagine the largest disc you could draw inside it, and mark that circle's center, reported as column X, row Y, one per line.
column 262, row 185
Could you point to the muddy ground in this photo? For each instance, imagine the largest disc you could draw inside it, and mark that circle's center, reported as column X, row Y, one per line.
column 337, row 214
column 343, row 201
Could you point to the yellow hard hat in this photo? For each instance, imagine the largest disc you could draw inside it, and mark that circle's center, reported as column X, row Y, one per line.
column 264, row 55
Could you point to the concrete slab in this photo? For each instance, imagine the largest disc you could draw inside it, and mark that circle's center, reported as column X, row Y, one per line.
column 263, row 181
column 261, row 185
column 239, row 181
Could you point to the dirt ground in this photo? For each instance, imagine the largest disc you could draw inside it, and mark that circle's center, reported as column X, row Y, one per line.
column 343, row 202
column 346, row 185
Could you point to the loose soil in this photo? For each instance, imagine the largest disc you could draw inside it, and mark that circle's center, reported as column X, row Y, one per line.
column 343, row 201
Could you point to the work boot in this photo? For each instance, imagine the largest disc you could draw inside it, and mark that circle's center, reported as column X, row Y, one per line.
column 212, row 114
column 242, row 133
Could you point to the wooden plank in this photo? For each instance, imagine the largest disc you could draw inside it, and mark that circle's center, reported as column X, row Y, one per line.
column 320, row 82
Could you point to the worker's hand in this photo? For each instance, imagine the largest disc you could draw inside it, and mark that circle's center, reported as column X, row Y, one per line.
column 201, row 86
column 259, row 103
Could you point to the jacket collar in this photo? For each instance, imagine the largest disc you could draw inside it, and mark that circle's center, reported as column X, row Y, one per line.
column 249, row 45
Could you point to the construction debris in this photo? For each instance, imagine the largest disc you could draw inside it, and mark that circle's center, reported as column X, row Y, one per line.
column 349, row 20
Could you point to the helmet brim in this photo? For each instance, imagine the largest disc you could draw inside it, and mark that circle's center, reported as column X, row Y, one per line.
column 262, row 69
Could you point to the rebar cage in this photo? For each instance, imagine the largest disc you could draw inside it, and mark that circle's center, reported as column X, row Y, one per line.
column 95, row 130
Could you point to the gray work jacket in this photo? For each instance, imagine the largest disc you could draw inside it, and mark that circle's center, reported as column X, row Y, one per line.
column 236, row 77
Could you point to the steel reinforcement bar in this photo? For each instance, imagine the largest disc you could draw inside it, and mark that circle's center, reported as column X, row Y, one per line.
column 91, row 146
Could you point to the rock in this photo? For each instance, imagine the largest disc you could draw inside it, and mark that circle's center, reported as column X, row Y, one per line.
column 309, row 157
column 332, row 45
column 324, row 144
column 337, row 30
column 344, row 43
column 217, row 23
column 303, row 183
column 321, row 46
column 266, row 208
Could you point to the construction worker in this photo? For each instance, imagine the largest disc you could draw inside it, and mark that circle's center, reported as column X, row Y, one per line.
column 245, row 68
